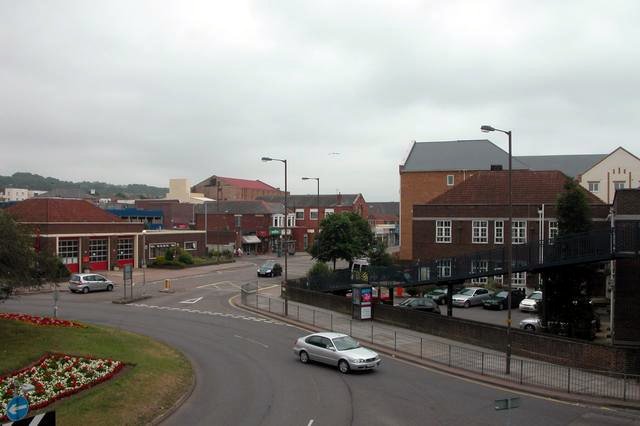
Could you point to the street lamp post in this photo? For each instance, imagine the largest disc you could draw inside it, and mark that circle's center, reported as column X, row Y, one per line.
column 486, row 129
column 144, row 260
column 286, row 234
column 317, row 204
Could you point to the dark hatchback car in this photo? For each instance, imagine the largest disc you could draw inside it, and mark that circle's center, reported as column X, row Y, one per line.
column 423, row 304
column 270, row 268
column 439, row 295
column 500, row 300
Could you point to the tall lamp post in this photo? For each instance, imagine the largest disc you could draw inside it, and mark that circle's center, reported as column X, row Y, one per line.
column 286, row 234
column 487, row 129
column 317, row 204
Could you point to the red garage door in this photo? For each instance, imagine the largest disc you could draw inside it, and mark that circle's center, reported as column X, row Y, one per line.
column 98, row 254
column 125, row 251
column 68, row 251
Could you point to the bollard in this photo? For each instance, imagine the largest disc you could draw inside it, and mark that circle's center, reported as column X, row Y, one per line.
column 395, row 341
column 421, row 348
column 269, row 304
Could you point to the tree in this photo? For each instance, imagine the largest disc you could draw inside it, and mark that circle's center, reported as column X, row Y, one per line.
column 378, row 255
column 20, row 265
column 567, row 289
column 342, row 236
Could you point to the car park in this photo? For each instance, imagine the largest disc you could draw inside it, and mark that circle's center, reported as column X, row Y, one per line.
column 439, row 295
column 84, row 283
column 270, row 268
column 423, row 304
column 500, row 300
column 531, row 303
column 335, row 349
column 470, row 296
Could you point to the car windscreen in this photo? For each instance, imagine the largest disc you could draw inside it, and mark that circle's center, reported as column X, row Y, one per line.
column 536, row 296
column 345, row 343
column 467, row 292
column 503, row 294
column 405, row 302
column 439, row 291
column 268, row 264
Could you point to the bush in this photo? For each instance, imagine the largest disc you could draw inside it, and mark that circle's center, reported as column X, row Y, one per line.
column 319, row 270
column 185, row 258
column 160, row 260
column 226, row 253
column 169, row 254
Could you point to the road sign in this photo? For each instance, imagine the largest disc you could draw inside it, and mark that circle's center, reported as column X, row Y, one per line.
column 507, row 404
column 17, row 408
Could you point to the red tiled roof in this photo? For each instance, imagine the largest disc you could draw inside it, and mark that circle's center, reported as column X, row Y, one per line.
column 528, row 187
column 246, row 183
column 43, row 210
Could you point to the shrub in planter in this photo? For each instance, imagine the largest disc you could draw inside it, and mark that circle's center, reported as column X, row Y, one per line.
column 185, row 258
column 160, row 260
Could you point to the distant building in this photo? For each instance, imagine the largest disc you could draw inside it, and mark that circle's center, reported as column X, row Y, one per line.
column 384, row 219
column 228, row 189
column 18, row 194
column 179, row 190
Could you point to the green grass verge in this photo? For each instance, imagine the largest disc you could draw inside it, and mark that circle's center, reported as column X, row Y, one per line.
column 159, row 374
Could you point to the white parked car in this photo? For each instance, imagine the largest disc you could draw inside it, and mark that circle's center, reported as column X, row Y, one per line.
column 85, row 283
column 530, row 304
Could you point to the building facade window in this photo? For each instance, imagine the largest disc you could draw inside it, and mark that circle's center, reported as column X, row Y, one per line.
column 305, row 241
column 237, row 220
column 68, row 251
column 313, row 214
column 553, row 230
column 444, row 267
column 498, row 232
column 291, row 220
column 519, row 280
column 594, row 186
column 450, row 180
column 327, row 212
column 618, row 184
column 125, row 248
column 277, row 220
column 443, row 231
column 479, row 266
column 519, row 232
column 190, row 245
column 98, row 251
column 480, row 229
column 299, row 214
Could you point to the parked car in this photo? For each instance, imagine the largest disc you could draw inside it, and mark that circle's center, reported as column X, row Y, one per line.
column 530, row 324
column 85, row 283
column 336, row 349
column 500, row 300
column 531, row 303
column 270, row 268
column 471, row 296
column 439, row 295
column 423, row 304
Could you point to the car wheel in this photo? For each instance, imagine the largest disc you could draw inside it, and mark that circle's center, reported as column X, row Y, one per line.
column 85, row 290
column 304, row 357
column 110, row 287
column 343, row 366
column 467, row 304
column 529, row 327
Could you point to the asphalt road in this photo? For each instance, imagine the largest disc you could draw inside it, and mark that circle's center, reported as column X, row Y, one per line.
column 247, row 373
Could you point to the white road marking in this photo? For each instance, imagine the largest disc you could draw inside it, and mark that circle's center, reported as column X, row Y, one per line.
column 192, row 301
column 252, row 341
column 215, row 284
column 217, row 314
column 310, row 422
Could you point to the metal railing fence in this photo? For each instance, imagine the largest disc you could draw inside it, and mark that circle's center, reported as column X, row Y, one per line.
column 523, row 371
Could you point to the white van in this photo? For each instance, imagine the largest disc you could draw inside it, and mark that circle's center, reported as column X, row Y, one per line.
column 359, row 269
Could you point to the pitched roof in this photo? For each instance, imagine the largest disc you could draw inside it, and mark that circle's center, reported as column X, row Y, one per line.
column 386, row 208
column 311, row 201
column 627, row 201
column 67, row 193
column 44, row 210
column 570, row 165
column 528, row 187
column 239, row 183
column 240, row 207
column 478, row 154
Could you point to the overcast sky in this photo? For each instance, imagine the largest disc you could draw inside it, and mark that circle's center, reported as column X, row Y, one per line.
column 139, row 92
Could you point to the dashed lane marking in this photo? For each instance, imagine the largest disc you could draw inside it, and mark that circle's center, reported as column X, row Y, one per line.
column 215, row 314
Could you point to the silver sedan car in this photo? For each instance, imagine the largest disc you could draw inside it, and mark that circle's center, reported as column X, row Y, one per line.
column 336, row 349
column 470, row 296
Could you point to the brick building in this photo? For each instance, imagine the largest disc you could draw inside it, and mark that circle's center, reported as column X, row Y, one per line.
column 87, row 237
column 229, row 189
column 384, row 219
column 175, row 215
column 471, row 217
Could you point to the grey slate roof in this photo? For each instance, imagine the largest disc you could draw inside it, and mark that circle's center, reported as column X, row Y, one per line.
column 385, row 208
column 478, row 154
column 241, row 207
column 311, row 201
column 570, row 165
column 67, row 193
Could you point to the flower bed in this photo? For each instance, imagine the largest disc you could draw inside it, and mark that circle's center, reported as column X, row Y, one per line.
column 55, row 376
column 36, row 320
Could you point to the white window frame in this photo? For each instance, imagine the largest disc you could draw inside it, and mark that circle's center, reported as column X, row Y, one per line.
column 125, row 248
column 313, row 214
column 444, row 267
column 618, row 184
column 480, row 231
column 291, row 220
column 553, row 230
column 327, row 212
column 98, row 250
column 594, row 186
column 451, row 180
column 191, row 245
column 69, row 251
column 479, row 266
column 498, row 237
column 443, row 231
column 277, row 220
column 519, row 234
column 237, row 220
column 298, row 211
column 519, row 279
